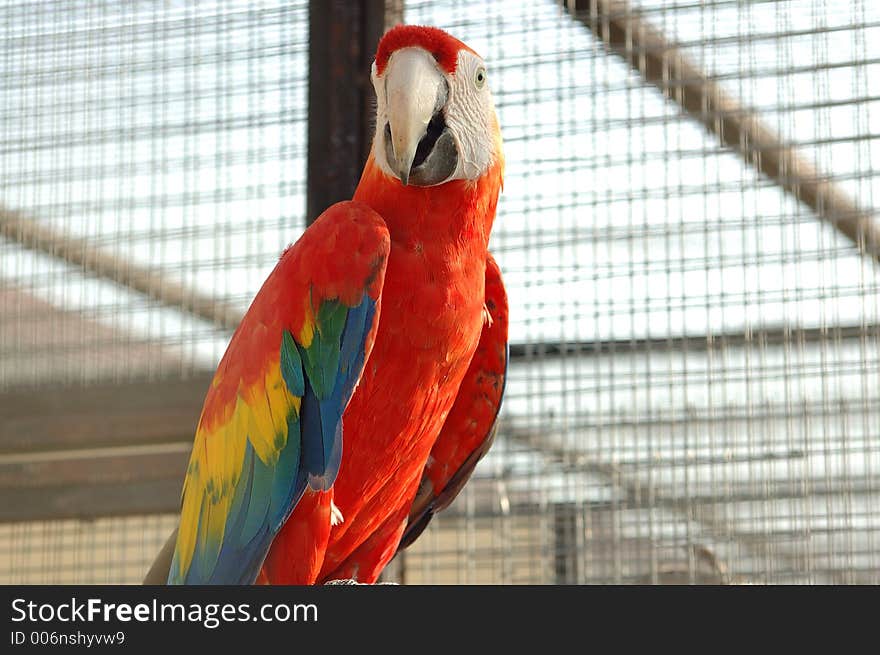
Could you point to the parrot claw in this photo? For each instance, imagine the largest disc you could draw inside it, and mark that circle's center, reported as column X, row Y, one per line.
column 336, row 517
column 487, row 317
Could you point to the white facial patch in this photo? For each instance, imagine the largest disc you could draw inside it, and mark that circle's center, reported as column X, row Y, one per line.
column 469, row 113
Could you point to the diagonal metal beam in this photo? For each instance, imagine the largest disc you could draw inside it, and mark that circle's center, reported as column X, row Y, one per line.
column 625, row 33
column 342, row 41
column 17, row 227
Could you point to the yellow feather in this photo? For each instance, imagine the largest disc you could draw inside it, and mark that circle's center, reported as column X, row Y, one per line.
column 193, row 494
column 280, row 402
column 214, row 520
column 235, row 447
column 307, row 333
column 260, row 415
column 261, row 434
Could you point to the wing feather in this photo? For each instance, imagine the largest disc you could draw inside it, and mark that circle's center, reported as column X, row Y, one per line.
column 272, row 421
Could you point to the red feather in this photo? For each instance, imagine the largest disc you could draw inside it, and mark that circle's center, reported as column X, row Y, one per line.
column 245, row 360
column 432, row 318
column 441, row 45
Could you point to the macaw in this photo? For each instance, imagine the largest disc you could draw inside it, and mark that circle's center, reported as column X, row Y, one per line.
column 364, row 381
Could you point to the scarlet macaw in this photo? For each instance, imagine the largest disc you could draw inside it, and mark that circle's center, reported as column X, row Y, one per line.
column 386, row 322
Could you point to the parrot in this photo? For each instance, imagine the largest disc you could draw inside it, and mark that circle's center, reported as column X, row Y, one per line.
column 364, row 382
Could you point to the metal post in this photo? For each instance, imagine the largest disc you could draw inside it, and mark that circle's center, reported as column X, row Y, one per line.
column 566, row 548
column 342, row 41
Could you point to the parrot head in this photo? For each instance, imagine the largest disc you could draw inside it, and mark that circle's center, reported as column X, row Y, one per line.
column 435, row 118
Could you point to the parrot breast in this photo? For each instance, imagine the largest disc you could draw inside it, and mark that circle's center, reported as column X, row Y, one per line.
column 430, row 325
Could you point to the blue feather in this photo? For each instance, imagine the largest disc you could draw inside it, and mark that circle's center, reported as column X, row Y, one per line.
column 289, row 483
column 291, row 365
column 354, row 337
column 323, row 376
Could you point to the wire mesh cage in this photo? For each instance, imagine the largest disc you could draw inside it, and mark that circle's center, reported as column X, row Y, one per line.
column 686, row 231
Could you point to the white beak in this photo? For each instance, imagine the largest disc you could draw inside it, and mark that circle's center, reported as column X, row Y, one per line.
column 413, row 84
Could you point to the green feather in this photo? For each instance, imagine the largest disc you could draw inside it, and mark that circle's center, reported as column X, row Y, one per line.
column 321, row 358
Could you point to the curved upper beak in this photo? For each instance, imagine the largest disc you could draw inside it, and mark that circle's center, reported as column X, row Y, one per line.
column 415, row 90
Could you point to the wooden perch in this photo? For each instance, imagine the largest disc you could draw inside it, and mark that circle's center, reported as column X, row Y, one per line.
column 665, row 66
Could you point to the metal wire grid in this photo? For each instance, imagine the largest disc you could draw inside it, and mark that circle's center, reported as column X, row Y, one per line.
column 171, row 137
column 713, row 414
column 166, row 137
column 105, row 551
column 695, row 398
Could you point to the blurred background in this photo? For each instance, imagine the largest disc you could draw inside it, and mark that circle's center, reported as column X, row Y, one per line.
column 687, row 231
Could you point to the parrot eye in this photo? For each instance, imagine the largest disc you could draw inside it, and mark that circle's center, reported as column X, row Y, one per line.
column 480, row 78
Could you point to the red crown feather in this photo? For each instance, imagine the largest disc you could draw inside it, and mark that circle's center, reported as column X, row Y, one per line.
column 441, row 45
